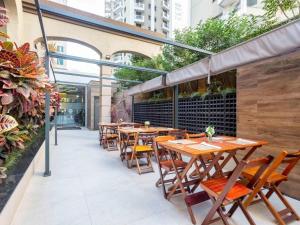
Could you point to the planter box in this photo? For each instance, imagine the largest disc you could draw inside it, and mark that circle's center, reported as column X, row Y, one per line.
column 13, row 188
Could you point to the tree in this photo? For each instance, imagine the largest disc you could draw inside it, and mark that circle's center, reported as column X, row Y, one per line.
column 289, row 8
column 213, row 35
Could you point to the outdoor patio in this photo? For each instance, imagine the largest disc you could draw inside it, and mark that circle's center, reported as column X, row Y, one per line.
column 91, row 186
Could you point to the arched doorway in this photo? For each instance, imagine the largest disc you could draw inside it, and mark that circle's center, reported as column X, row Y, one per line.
column 74, row 80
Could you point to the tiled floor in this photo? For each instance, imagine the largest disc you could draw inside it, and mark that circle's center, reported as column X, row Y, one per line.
column 90, row 186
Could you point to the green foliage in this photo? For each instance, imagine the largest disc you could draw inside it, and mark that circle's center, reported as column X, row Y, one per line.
column 128, row 74
column 213, row 35
column 289, row 8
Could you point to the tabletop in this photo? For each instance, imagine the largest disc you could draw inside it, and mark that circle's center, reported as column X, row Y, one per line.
column 201, row 146
column 118, row 124
column 128, row 130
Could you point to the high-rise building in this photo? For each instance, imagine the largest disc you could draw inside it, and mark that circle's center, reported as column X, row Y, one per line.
column 163, row 16
column 202, row 10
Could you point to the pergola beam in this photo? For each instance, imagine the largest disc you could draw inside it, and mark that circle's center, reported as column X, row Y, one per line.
column 114, row 27
column 104, row 63
column 93, row 76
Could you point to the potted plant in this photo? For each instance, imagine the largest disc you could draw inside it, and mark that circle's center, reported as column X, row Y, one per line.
column 210, row 131
column 147, row 124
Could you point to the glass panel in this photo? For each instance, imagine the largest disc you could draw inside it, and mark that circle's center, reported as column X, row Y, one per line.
column 72, row 109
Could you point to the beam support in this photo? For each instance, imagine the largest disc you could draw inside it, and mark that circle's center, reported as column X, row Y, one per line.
column 132, row 108
column 104, row 63
column 175, row 106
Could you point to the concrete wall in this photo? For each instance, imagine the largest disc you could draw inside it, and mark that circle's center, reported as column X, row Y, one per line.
column 268, row 108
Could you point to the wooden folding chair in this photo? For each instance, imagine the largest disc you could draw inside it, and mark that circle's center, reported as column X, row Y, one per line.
column 165, row 166
column 178, row 134
column 143, row 149
column 110, row 139
column 193, row 136
column 270, row 180
column 229, row 190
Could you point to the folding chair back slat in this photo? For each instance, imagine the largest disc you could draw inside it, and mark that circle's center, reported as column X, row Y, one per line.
column 271, row 180
column 226, row 190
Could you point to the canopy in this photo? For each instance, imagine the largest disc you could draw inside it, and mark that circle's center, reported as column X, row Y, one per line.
column 277, row 42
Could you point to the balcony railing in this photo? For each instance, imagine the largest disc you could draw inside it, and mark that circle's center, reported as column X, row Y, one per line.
column 165, row 27
column 166, row 16
column 139, row 6
column 165, row 4
column 139, row 18
column 117, row 6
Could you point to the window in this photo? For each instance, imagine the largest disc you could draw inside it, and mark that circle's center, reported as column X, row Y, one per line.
column 155, row 19
column 149, row 6
column 251, row 2
column 138, row 25
column 60, row 62
column 60, row 48
column 155, row 8
column 149, row 17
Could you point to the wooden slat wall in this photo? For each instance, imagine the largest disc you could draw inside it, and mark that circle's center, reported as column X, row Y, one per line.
column 268, row 108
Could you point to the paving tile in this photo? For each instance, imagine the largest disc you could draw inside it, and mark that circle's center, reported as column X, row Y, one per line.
column 90, row 186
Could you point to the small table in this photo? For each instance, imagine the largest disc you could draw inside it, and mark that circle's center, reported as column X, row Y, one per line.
column 103, row 126
column 126, row 132
column 200, row 148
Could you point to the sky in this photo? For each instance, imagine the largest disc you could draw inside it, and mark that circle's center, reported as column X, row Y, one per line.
column 93, row 6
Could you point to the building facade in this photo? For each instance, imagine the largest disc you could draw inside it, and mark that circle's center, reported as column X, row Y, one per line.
column 163, row 16
column 202, row 10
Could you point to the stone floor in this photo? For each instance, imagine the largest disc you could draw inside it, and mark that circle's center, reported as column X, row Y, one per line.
column 90, row 186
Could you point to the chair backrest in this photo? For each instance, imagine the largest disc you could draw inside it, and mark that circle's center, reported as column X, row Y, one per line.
column 192, row 136
column 261, row 163
column 290, row 161
column 146, row 137
column 260, row 180
column 161, row 154
column 179, row 134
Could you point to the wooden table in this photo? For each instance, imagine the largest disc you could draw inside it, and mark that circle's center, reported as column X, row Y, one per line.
column 126, row 132
column 103, row 126
column 229, row 145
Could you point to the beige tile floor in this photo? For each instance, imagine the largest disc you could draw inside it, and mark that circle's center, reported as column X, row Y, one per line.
column 90, row 186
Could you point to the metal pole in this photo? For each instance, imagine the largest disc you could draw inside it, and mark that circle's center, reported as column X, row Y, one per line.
column 100, row 95
column 175, row 106
column 55, row 125
column 47, row 129
column 132, row 108
column 47, row 95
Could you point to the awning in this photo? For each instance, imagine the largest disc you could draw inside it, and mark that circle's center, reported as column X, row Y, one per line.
column 188, row 73
column 274, row 43
column 277, row 42
column 135, row 90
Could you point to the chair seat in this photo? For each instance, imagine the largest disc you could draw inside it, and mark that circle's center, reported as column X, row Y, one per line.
column 273, row 178
column 111, row 136
column 143, row 148
column 214, row 187
column 167, row 164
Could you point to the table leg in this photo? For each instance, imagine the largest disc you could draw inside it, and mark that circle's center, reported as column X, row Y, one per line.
column 180, row 177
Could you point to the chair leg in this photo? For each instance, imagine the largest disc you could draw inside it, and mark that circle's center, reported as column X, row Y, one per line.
column 149, row 161
column 286, row 203
column 271, row 208
column 138, row 165
column 193, row 219
column 246, row 213
column 161, row 179
column 222, row 216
